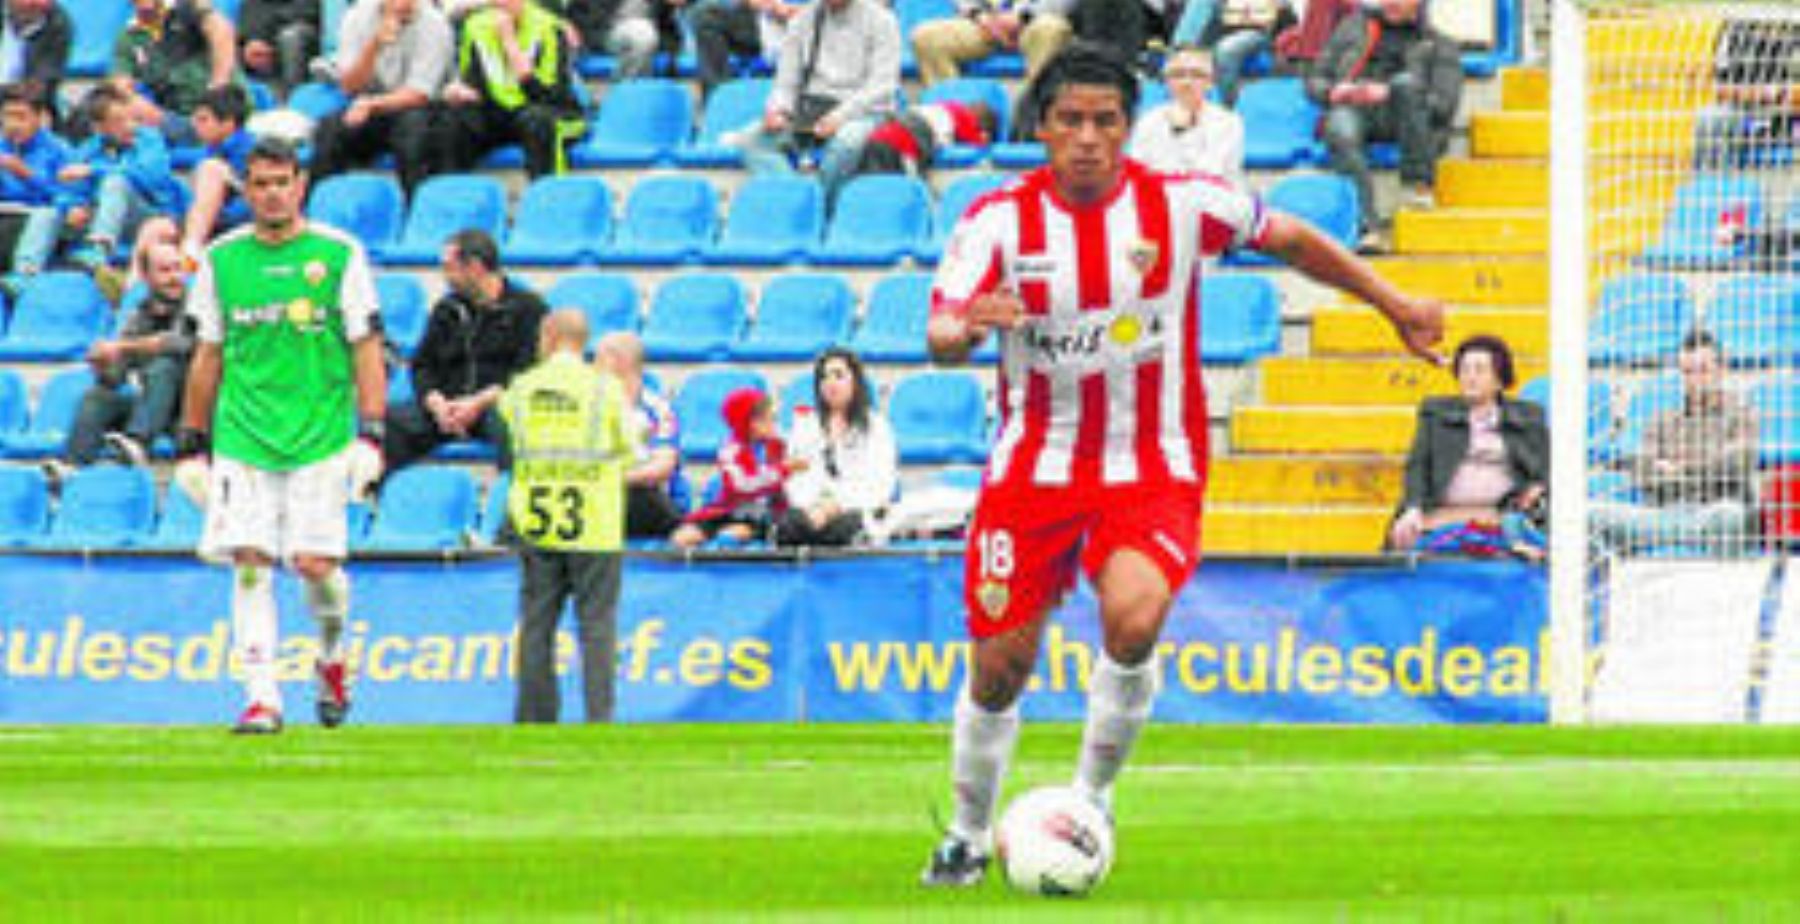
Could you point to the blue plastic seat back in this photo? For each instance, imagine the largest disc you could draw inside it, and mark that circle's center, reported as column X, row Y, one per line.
column 698, row 405
column 695, row 317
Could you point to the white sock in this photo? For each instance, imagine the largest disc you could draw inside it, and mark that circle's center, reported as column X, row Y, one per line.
column 329, row 601
column 253, row 631
column 980, row 752
column 1119, row 701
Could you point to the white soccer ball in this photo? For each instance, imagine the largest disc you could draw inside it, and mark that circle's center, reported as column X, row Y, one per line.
column 1054, row 841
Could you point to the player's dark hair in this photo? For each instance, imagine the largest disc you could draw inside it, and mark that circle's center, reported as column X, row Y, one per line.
column 273, row 150
column 1699, row 339
column 1087, row 64
column 474, row 245
column 227, row 104
column 1495, row 348
column 859, row 391
column 25, row 92
column 101, row 100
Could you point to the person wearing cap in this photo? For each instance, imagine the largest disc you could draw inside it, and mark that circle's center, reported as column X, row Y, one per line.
column 753, row 473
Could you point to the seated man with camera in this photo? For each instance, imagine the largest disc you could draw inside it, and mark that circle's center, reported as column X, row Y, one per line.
column 838, row 77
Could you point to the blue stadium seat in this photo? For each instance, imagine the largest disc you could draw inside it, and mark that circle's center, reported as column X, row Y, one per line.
column 733, row 106
column 1612, row 485
column 24, row 506
column 465, row 451
column 405, row 309
column 368, row 206
column 1757, row 320
column 317, row 101
column 1240, row 317
column 1689, row 235
column 1017, row 155
column 909, row 14
column 99, row 22
column 641, row 123
column 1642, row 318
column 958, row 196
column 444, row 205
column 1326, row 200
column 879, row 219
column 796, row 392
column 970, row 90
column 609, row 300
column 698, row 406
column 893, row 326
column 797, row 317
column 15, row 405
column 561, row 220
column 493, row 510
column 424, row 508
column 939, row 417
column 180, row 524
column 1279, row 124
column 1649, row 399
column 1601, row 445
column 58, row 400
column 1777, row 404
column 668, row 219
column 774, row 219
column 105, row 507
column 57, row 317
column 400, row 385
column 357, row 517
column 1507, row 29
column 1537, row 391
column 695, row 317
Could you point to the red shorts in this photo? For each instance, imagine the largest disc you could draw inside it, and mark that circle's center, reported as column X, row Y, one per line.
column 1025, row 542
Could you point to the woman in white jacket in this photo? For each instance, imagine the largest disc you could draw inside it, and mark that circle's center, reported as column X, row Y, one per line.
column 852, row 464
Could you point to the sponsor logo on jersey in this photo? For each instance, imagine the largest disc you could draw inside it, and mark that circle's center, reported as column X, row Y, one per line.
column 993, row 597
column 1035, row 267
column 301, row 312
column 1090, row 338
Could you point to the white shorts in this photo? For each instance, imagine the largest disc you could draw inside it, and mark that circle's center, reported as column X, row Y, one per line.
column 281, row 514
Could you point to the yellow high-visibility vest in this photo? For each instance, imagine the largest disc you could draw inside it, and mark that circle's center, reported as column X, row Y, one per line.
column 571, row 445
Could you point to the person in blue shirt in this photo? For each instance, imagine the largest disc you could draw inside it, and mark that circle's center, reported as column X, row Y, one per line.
column 120, row 178
column 31, row 155
column 218, row 203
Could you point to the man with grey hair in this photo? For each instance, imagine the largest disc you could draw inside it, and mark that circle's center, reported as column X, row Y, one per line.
column 653, row 483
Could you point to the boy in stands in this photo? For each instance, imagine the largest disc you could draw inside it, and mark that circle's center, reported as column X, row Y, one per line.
column 1088, row 268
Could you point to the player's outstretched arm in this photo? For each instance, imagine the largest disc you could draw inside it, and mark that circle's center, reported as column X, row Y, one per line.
column 371, row 378
column 1418, row 322
column 202, row 389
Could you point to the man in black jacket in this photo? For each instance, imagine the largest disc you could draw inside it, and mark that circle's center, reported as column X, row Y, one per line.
column 481, row 333
column 279, row 38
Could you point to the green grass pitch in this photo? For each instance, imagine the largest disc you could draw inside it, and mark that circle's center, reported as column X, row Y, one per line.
column 833, row 822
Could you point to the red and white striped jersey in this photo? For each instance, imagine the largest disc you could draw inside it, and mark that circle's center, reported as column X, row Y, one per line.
column 1101, row 383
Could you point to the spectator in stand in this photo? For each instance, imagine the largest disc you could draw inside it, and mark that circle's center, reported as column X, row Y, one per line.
column 118, row 179
column 983, row 28
column 279, row 39
column 394, row 57
column 529, row 101
column 31, row 156
column 1695, row 469
column 481, row 333
column 170, row 54
column 750, row 28
column 850, row 462
column 1756, row 77
column 753, row 471
column 1477, row 475
column 1387, row 74
column 906, row 142
column 35, row 36
column 1239, row 30
column 138, row 377
column 632, row 31
column 1187, row 134
column 838, row 78
column 218, row 203
column 1298, row 46
column 654, row 487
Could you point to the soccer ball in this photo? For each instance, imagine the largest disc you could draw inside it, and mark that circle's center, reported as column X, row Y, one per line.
column 1054, row 841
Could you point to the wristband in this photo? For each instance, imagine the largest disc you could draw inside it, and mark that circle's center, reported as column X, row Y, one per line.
column 372, row 429
column 191, row 441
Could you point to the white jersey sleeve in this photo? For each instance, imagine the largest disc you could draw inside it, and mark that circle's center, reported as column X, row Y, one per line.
column 358, row 300
column 203, row 304
column 973, row 257
column 1230, row 216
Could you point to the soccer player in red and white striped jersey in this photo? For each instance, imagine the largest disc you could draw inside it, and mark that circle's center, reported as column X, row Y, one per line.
column 1088, row 269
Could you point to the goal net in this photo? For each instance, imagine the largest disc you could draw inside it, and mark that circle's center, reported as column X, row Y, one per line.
column 1682, row 417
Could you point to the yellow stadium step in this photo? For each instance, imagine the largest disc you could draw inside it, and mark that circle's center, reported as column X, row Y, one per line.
column 1510, row 134
column 1261, row 530
column 1362, row 381
column 1355, row 331
column 1525, row 89
column 1493, row 183
column 1472, row 231
column 1471, row 282
column 1339, row 430
column 1332, row 480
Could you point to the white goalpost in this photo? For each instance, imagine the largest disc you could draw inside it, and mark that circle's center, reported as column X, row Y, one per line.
column 1675, row 330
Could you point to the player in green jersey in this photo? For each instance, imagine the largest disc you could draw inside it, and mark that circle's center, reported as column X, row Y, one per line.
column 282, row 420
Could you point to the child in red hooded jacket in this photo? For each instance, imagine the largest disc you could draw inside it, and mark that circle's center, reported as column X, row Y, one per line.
column 753, row 468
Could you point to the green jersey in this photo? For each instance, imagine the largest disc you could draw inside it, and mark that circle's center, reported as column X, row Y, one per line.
column 285, row 317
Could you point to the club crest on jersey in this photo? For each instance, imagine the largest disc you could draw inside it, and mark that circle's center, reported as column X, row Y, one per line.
column 315, row 272
column 993, row 597
column 1143, row 256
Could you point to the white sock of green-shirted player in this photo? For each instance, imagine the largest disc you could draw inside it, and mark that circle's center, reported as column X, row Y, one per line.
column 1119, row 701
column 329, row 601
column 981, row 749
column 253, row 632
